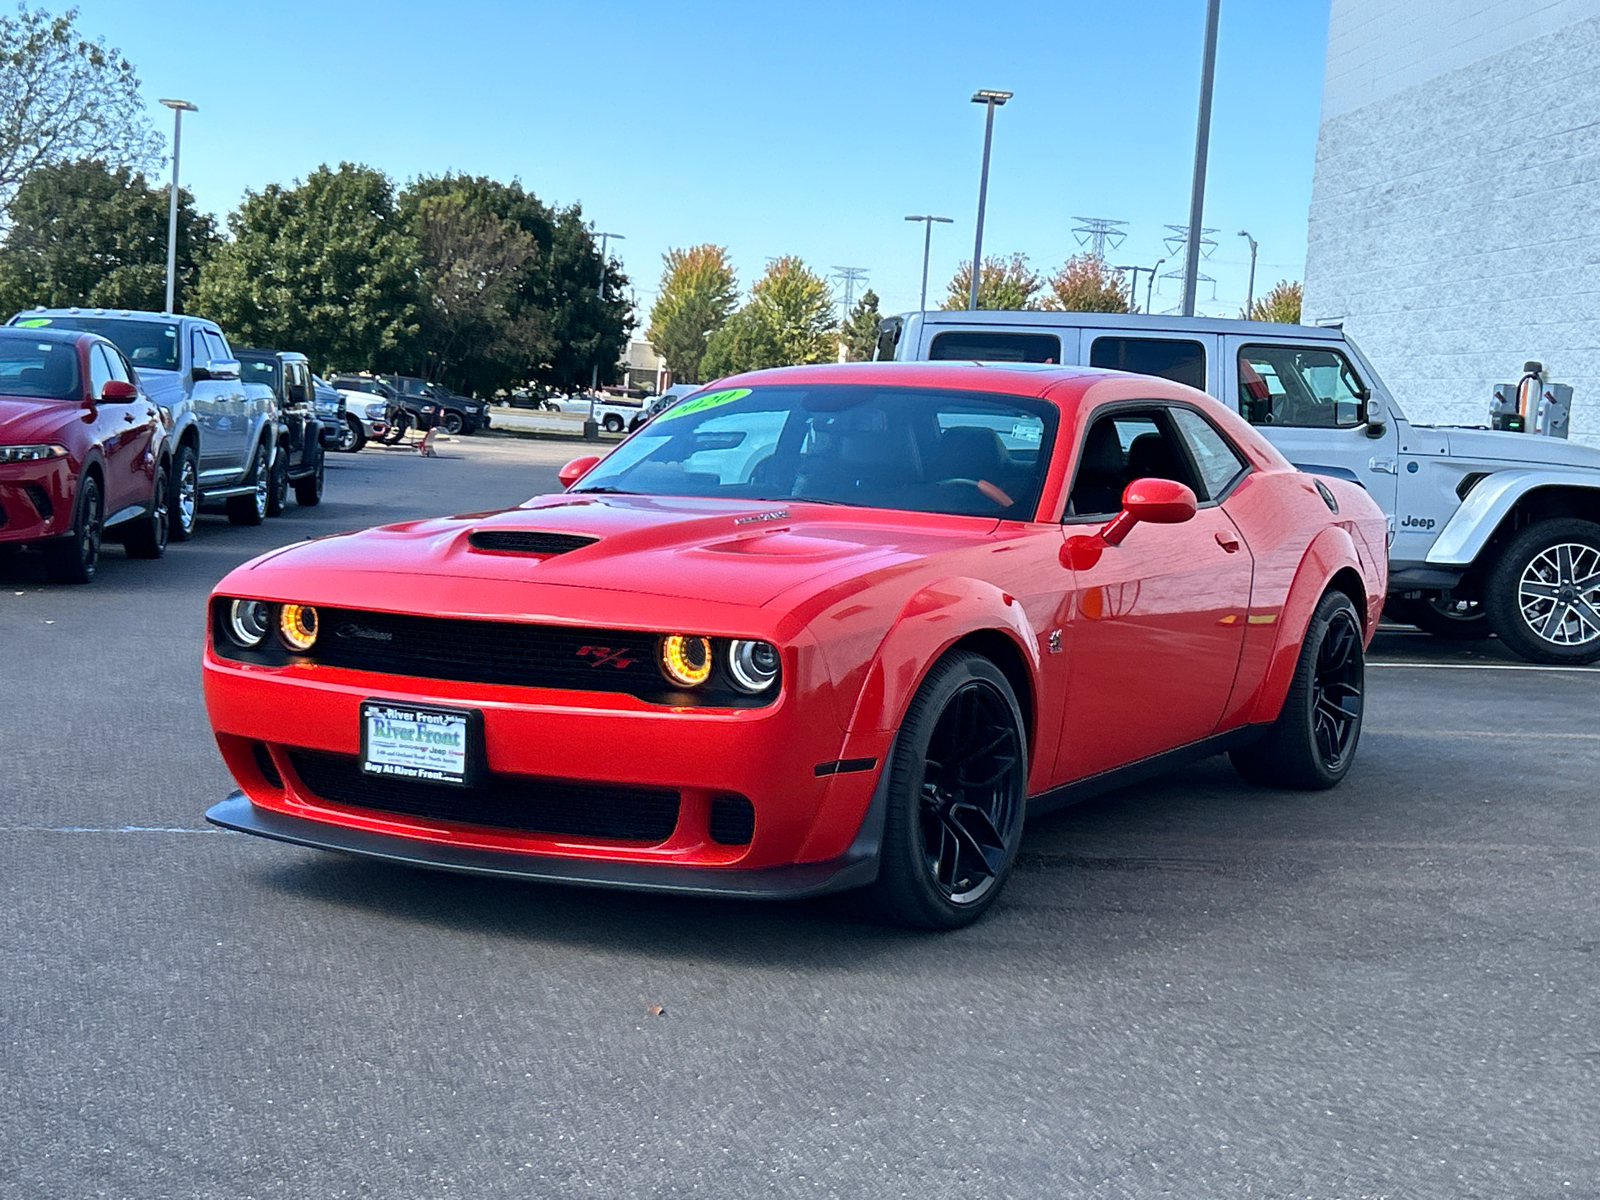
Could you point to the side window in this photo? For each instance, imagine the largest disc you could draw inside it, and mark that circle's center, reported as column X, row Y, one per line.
column 216, row 347
column 118, row 367
column 967, row 345
column 1120, row 448
column 99, row 370
column 198, row 348
column 1307, row 387
column 1167, row 358
column 1219, row 463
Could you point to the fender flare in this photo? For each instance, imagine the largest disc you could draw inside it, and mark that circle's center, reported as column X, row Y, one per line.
column 1487, row 506
column 1329, row 553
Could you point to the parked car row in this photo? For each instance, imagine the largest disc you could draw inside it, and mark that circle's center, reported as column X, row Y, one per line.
column 131, row 423
column 387, row 407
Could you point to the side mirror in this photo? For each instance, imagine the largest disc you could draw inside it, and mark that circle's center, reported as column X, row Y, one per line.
column 216, row 368
column 1153, row 501
column 118, row 391
column 577, row 469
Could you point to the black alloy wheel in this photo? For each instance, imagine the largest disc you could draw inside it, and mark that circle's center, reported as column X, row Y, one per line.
column 957, row 797
column 278, row 483
column 1543, row 594
column 74, row 558
column 308, row 490
column 1313, row 742
column 185, row 504
column 453, row 422
column 146, row 536
column 251, row 508
column 352, row 437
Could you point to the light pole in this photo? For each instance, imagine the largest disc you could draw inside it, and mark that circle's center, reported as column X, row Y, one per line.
column 992, row 100
column 591, row 427
column 1202, row 141
column 927, row 245
column 178, row 107
column 1150, row 284
column 1250, row 295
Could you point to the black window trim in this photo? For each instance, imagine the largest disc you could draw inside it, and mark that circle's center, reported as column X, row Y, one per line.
column 1035, row 332
column 1086, row 354
column 1172, row 430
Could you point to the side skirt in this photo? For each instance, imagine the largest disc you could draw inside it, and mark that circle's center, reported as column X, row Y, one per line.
column 1080, row 790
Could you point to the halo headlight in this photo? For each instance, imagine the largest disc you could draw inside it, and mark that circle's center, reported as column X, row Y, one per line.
column 297, row 626
column 686, row 659
column 752, row 665
column 249, row 622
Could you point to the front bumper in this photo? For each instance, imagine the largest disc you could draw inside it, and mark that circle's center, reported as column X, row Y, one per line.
column 35, row 500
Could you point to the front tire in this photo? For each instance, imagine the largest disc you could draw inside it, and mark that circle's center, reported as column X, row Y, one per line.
column 352, row 437
column 397, row 428
column 251, row 509
column 957, row 798
column 278, row 483
column 74, row 558
column 147, row 536
column 185, row 501
column 612, row 423
column 1543, row 594
column 1313, row 742
column 453, row 423
column 308, row 491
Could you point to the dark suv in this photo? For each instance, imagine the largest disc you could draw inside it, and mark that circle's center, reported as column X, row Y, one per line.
column 298, row 460
column 455, row 414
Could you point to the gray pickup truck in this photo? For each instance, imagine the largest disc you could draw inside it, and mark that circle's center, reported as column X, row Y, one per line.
column 222, row 433
column 1491, row 531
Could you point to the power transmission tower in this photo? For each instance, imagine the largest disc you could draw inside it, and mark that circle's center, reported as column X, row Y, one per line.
column 850, row 276
column 1099, row 232
column 1179, row 238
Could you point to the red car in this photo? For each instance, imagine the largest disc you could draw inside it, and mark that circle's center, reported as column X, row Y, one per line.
column 82, row 451
column 816, row 628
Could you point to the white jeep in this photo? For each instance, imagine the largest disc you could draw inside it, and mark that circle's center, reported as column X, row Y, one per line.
column 1491, row 531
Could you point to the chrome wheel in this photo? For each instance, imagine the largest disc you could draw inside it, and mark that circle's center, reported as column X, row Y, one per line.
column 1336, row 690
column 971, row 807
column 188, row 492
column 1559, row 594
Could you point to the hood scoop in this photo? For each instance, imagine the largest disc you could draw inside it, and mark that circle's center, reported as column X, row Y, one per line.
column 527, row 541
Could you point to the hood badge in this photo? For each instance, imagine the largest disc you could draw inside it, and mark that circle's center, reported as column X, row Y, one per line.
column 781, row 514
column 605, row 656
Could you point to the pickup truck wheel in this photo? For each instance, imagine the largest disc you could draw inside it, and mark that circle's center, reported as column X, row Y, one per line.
column 278, row 484
column 73, row 559
column 251, row 509
column 453, row 422
column 1543, row 594
column 397, row 428
column 352, row 437
column 1313, row 742
column 147, row 536
column 1447, row 617
column 612, row 423
column 308, row 491
column 185, row 501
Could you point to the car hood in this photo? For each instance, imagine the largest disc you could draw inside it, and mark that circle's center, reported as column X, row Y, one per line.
column 25, row 420
column 735, row 553
column 1529, row 448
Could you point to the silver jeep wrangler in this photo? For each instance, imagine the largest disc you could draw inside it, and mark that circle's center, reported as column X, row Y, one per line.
column 1491, row 531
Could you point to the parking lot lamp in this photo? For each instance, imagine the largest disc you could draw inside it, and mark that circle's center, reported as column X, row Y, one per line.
column 1150, row 284
column 1202, row 141
column 992, row 100
column 178, row 107
column 927, row 245
column 591, row 427
column 1250, row 295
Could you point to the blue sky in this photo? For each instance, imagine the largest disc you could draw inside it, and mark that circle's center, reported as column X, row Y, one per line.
column 811, row 129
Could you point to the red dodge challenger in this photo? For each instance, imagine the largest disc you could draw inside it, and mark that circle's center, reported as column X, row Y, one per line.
column 812, row 629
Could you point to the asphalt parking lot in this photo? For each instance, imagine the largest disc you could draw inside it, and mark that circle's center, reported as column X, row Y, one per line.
column 1190, row 988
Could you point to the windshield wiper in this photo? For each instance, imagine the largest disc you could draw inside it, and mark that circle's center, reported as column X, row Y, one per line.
column 615, row 491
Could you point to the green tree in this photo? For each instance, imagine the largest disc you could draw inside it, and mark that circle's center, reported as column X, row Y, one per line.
column 82, row 233
column 325, row 267
column 64, row 96
column 1004, row 283
column 788, row 320
column 698, row 292
column 1280, row 305
column 1085, row 283
column 860, row 332
column 746, row 342
column 570, row 324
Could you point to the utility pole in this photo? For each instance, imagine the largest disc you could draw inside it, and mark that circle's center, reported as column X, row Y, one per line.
column 993, row 100
column 927, row 246
column 1202, row 141
column 591, row 427
column 1250, row 294
column 178, row 107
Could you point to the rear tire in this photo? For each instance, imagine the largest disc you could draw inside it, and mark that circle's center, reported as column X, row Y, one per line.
column 308, row 491
column 74, row 558
column 252, row 509
column 957, row 798
column 147, row 536
column 612, row 423
column 1313, row 742
column 1449, row 618
column 1543, row 594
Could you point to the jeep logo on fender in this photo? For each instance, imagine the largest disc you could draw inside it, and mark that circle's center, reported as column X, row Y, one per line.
column 605, row 656
column 1410, row 522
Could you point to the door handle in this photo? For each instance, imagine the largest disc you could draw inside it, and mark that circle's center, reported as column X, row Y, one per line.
column 1383, row 466
column 1228, row 542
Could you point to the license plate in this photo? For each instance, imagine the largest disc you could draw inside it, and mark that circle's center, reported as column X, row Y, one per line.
column 430, row 745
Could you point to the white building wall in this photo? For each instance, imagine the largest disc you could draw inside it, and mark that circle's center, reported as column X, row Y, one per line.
column 1455, row 212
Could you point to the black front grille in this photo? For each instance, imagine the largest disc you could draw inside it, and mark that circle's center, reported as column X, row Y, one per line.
column 264, row 764
column 519, row 541
column 520, row 802
column 40, row 499
column 733, row 819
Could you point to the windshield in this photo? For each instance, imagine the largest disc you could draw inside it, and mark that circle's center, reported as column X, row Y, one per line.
column 148, row 345
column 918, row 449
column 39, row 370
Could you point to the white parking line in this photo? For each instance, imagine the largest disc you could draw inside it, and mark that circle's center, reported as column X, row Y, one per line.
column 88, row 829
column 1482, row 667
column 1484, row 733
